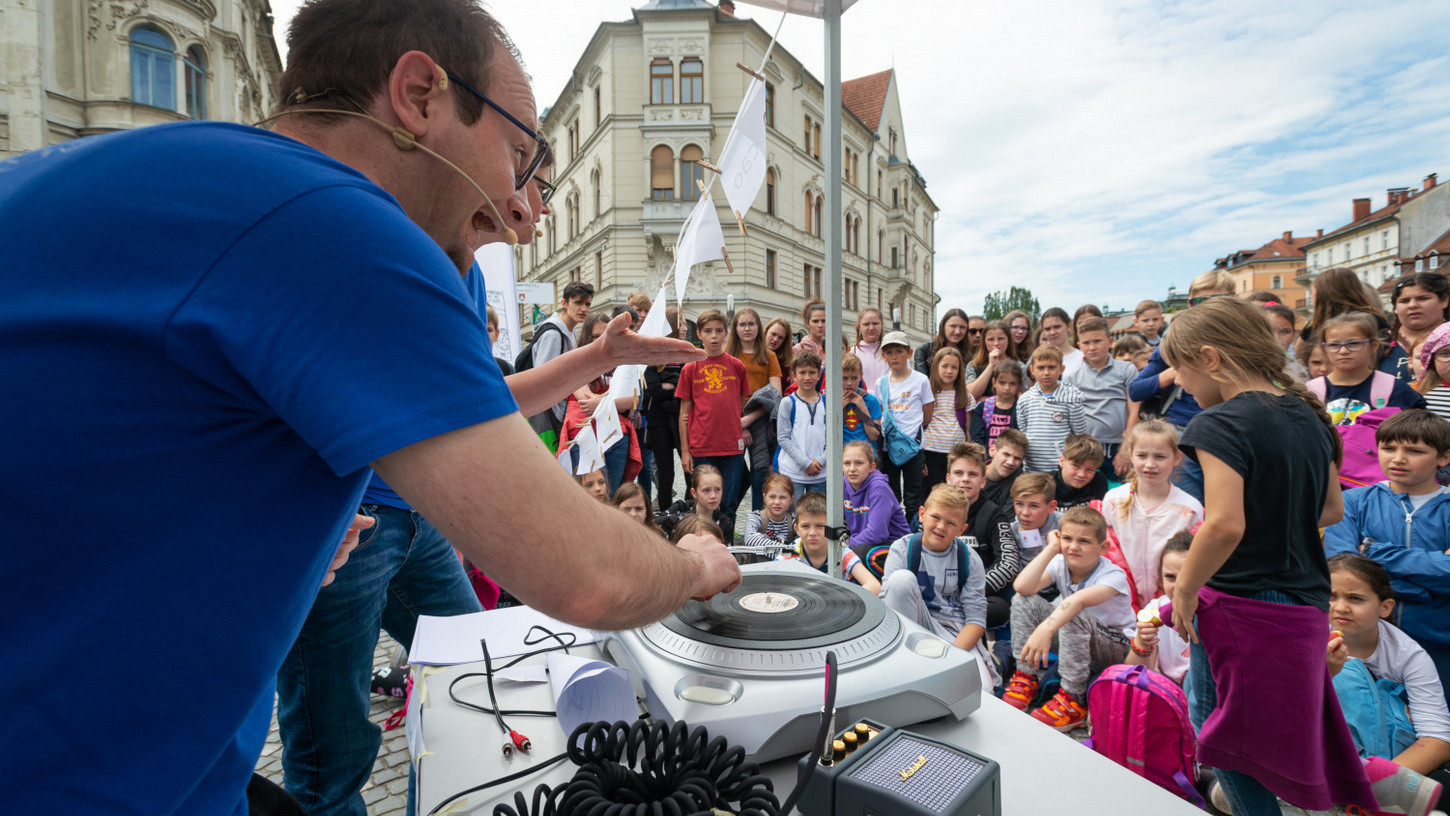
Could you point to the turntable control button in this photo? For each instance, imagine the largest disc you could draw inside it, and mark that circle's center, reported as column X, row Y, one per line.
column 930, row 647
column 706, row 695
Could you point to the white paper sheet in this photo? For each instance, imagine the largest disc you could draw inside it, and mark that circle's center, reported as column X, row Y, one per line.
column 446, row 641
column 525, row 673
column 607, row 429
column 591, row 457
column 590, row 690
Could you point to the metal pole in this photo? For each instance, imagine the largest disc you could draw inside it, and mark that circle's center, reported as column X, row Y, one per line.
column 831, row 233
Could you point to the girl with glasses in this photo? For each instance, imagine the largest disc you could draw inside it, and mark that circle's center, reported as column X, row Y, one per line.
column 1019, row 328
column 1353, row 386
column 1339, row 291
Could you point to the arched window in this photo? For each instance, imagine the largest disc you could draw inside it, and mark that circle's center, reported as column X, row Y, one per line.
column 692, row 175
column 770, row 191
column 573, row 207
column 594, row 182
column 661, row 82
column 194, row 67
column 810, row 210
column 662, row 174
column 153, row 69
column 692, row 81
column 817, row 222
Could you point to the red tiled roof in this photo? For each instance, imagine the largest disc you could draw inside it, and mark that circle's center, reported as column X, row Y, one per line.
column 1281, row 248
column 866, row 97
column 1387, row 210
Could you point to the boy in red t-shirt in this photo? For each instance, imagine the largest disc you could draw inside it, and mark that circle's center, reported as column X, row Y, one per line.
column 712, row 394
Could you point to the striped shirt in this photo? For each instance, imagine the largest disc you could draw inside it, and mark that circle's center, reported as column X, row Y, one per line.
column 1047, row 419
column 1438, row 401
column 943, row 432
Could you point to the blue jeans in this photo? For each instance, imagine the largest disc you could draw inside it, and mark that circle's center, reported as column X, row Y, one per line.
column 732, row 470
column 1188, row 476
column 646, row 478
column 401, row 569
column 1247, row 795
column 802, row 489
column 1110, row 451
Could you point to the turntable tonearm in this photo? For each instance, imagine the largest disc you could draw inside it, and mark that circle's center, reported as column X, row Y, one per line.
column 748, row 665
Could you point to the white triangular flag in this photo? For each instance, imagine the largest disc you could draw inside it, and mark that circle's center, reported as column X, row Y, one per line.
column 700, row 240
column 625, row 384
column 591, row 457
column 607, row 429
column 566, row 460
column 657, row 323
column 742, row 161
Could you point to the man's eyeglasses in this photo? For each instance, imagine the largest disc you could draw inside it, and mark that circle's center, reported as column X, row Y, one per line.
column 546, row 190
column 1195, row 301
column 1351, row 345
column 541, row 147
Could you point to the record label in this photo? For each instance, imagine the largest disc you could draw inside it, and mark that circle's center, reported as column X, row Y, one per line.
column 769, row 602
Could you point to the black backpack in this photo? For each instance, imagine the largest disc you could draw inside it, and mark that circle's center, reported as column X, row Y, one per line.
column 525, row 360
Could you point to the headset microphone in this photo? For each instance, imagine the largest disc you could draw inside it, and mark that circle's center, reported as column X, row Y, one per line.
column 403, row 139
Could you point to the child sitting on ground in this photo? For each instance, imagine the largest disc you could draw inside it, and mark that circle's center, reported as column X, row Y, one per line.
column 988, row 529
column 1004, row 468
column 801, row 428
column 692, row 524
column 1360, row 603
column 1035, row 505
column 813, row 548
column 1088, row 625
column 1049, row 411
column 596, row 484
column 706, row 492
column 1404, row 524
column 996, row 414
column 873, row 515
column 1154, row 645
column 1149, row 509
column 771, row 527
column 630, row 498
column 937, row 581
column 1079, row 473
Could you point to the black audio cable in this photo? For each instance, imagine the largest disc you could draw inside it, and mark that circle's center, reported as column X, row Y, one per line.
column 515, row 740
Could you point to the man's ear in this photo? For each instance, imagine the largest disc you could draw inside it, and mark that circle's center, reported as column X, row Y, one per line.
column 416, row 88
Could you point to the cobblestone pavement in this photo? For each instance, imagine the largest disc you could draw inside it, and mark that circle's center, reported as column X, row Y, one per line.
column 386, row 794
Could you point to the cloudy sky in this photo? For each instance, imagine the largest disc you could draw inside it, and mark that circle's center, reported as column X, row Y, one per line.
column 1102, row 150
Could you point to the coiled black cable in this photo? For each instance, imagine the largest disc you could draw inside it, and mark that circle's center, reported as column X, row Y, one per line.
column 651, row 769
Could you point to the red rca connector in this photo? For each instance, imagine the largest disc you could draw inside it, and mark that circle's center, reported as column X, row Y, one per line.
column 520, row 741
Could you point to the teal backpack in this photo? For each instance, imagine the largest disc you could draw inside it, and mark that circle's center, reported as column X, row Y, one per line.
column 1375, row 708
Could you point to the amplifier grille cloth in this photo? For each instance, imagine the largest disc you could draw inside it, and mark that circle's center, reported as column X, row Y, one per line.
column 945, row 773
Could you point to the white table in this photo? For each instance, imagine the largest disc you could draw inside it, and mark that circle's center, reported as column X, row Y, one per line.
column 1043, row 772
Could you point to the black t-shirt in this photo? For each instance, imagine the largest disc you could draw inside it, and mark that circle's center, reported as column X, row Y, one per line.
column 1069, row 496
column 1283, row 451
column 999, row 492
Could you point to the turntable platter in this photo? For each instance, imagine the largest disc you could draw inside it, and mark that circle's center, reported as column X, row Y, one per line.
column 773, row 607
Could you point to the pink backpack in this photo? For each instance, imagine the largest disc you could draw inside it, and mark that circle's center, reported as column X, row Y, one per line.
column 1361, row 465
column 1140, row 721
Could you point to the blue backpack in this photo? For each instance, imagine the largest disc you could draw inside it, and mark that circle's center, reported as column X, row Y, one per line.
column 913, row 563
column 1376, row 710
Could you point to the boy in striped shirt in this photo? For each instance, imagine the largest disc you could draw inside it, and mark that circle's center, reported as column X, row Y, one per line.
column 1048, row 412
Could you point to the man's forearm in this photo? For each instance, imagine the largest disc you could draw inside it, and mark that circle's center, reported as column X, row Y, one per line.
column 540, row 388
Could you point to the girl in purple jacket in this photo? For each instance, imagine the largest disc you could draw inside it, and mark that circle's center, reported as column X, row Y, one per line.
column 873, row 515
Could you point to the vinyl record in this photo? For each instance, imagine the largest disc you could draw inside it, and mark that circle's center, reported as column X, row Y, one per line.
column 772, row 608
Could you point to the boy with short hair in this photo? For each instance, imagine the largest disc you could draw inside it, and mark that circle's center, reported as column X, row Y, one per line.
column 1404, row 524
column 988, row 529
column 1103, row 381
column 1148, row 322
column 712, row 394
column 1079, row 474
column 1049, row 411
column 553, row 337
column 506, row 366
column 1089, row 625
column 935, row 580
column 812, row 547
column 907, row 404
column 1035, row 505
column 1007, row 453
column 800, row 428
column 860, row 410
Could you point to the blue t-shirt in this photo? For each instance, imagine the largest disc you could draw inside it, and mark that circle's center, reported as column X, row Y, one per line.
column 209, row 331
column 378, row 491
column 853, row 422
column 1346, row 402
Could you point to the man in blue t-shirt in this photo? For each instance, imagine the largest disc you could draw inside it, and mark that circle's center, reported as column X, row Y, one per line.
column 210, row 332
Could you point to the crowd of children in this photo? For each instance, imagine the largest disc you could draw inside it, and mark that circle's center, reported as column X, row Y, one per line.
column 1059, row 502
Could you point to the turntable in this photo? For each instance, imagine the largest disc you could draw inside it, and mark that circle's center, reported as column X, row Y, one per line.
column 749, row 665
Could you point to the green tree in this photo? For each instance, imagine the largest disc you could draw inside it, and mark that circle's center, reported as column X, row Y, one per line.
column 1000, row 303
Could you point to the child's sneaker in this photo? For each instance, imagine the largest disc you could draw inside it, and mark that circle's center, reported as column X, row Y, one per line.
column 1020, row 690
column 1062, row 712
column 1399, row 789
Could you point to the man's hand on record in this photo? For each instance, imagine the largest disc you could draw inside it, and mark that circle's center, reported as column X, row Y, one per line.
column 623, row 346
column 718, row 570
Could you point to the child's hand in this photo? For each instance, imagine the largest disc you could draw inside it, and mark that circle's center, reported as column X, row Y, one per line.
column 813, row 468
column 993, row 356
column 1336, row 653
column 1054, row 542
column 1037, row 647
column 1147, row 635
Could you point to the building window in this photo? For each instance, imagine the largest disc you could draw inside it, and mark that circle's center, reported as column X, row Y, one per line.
column 552, row 235
column 692, row 175
column 809, row 211
column 692, row 81
column 892, row 140
column 816, row 140
column 573, row 140
column 806, row 143
column 880, row 244
column 194, row 67
column 598, row 108
column 1276, row 282
column 573, row 208
column 893, row 258
column 807, row 292
column 878, row 297
column 661, row 82
column 913, row 314
column 574, row 275
column 1366, row 244
column 769, row 105
column 662, row 174
column 895, row 198
column 817, row 221
column 598, row 271
column 594, row 182
column 770, row 269
column 817, row 274
column 153, row 69
column 880, row 186
column 770, row 191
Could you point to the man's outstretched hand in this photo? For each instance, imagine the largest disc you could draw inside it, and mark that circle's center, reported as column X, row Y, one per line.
column 623, row 346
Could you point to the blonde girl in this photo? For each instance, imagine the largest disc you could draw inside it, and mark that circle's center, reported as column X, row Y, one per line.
column 1353, row 386
column 997, row 345
column 950, row 417
column 1149, row 509
column 1270, row 459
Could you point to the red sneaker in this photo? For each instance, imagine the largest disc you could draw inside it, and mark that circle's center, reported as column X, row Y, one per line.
column 1062, row 712
column 1021, row 690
